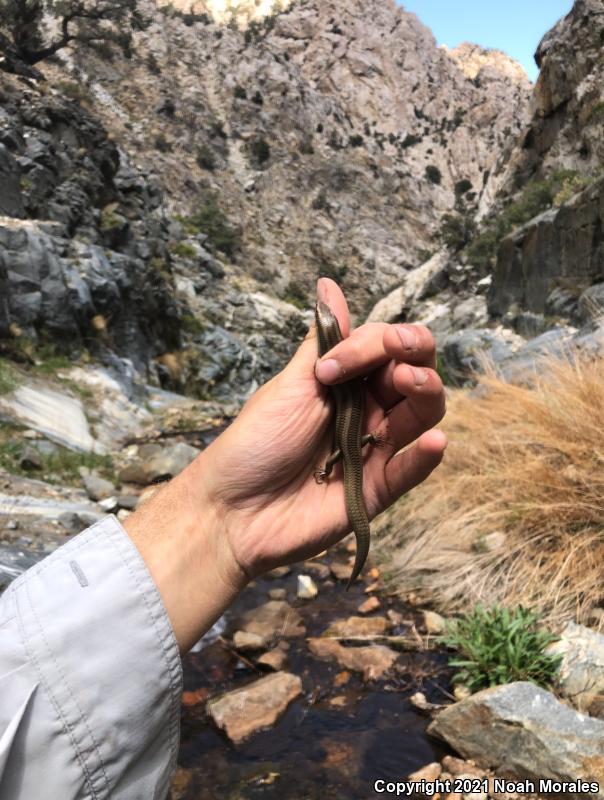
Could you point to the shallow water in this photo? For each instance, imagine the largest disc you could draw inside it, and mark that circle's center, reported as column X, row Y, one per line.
column 315, row 750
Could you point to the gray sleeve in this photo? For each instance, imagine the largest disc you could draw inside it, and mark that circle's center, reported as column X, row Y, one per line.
column 90, row 676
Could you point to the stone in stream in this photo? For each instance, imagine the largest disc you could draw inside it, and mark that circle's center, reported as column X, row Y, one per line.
column 307, row 588
column 357, row 626
column 428, row 773
column 434, row 623
column 317, row 568
column 369, row 605
column 274, row 659
column 275, row 618
column 372, row 661
column 248, row 642
column 526, row 731
column 581, row 673
column 341, row 570
column 258, row 705
column 277, row 594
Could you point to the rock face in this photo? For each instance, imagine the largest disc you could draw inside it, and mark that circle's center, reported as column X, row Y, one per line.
column 527, row 731
column 561, row 248
column 257, row 705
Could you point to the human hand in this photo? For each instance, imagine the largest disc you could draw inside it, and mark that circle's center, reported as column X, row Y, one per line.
column 261, row 470
column 250, row 501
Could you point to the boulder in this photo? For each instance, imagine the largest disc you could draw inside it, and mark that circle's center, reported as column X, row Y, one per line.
column 256, row 706
column 527, row 731
column 581, row 674
column 154, row 463
column 373, row 661
column 11, row 201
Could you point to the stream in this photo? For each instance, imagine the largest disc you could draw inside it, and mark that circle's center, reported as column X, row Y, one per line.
column 318, row 748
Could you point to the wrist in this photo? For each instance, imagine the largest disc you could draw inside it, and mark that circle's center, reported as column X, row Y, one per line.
column 180, row 536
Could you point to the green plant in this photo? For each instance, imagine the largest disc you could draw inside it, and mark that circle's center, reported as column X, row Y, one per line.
column 410, row 140
column 456, row 230
column 260, row 150
column 296, row 295
column 498, row 645
column 206, row 158
column 183, row 250
column 72, row 90
column 110, row 219
column 209, row 218
column 192, row 324
column 463, row 186
column 597, row 112
column 433, row 174
column 9, row 377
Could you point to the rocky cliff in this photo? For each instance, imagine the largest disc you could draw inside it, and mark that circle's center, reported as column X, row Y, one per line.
column 201, row 186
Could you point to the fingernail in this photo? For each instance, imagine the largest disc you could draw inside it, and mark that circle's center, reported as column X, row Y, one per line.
column 329, row 371
column 420, row 376
column 408, row 337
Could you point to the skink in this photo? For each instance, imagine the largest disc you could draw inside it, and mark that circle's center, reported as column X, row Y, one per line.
column 349, row 401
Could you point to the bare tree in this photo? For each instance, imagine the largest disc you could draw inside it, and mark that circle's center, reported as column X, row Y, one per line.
column 24, row 42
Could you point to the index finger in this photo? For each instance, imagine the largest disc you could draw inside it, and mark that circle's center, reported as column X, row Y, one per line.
column 373, row 345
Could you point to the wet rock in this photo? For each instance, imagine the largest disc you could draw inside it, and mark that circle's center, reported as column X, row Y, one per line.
column 256, row 706
column 274, row 659
column 341, row 570
column 371, row 604
column 97, row 487
column 526, row 730
column 357, row 626
column 307, row 588
column 420, row 701
column 248, row 642
column 428, row 773
column 154, row 463
column 277, row 594
column 317, row 568
column 373, row 661
column 279, row 572
column 581, row 673
column 194, row 698
column 275, row 618
column 434, row 623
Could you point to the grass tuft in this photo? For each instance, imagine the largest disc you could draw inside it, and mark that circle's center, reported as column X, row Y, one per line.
column 525, row 463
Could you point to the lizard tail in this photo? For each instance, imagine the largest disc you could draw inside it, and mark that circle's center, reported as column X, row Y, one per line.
column 363, row 537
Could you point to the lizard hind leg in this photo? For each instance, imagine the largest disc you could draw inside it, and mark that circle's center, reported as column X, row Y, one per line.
column 324, row 472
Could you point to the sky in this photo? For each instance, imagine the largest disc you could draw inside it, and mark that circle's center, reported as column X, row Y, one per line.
column 514, row 26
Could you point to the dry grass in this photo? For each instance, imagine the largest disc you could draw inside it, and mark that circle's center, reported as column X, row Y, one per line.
column 527, row 462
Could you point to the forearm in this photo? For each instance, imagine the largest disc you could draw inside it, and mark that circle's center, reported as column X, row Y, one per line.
column 180, row 535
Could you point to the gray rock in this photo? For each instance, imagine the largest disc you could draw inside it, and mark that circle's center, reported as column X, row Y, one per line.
column 465, row 352
column 97, row 487
column 527, row 731
column 129, row 502
column 30, row 458
column 161, row 463
column 581, row 674
column 11, row 201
